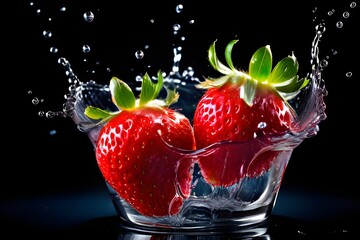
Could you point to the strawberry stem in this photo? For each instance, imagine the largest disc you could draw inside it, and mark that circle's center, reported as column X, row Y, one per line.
column 283, row 78
column 150, row 90
column 124, row 98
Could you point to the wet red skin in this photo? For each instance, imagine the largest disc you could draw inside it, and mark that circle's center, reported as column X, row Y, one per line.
column 135, row 153
column 222, row 115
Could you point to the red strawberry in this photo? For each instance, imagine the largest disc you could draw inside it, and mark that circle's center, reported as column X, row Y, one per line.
column 135, row 148
column 239, row 107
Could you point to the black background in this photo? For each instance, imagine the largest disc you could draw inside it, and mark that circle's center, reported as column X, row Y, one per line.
column 36, row 163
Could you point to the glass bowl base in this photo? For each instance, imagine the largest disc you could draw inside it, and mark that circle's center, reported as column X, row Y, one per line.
column 198, row 221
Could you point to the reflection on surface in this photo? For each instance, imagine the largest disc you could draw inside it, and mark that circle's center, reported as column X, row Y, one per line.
column 88, row 214
column 256, row 231
column 277, row 228
column 298, row 215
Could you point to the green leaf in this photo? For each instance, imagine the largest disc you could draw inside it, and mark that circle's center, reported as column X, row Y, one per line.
column 228, row 51
column 97, row 113
column 305, row 83
column 249, row 91
column 159, row 84
column 218, row 82
column 121, row 93
column 261, row 64
column 172, row 97
column 214, row 61
column 293, row 86
column 284, row 70
column 150, row 90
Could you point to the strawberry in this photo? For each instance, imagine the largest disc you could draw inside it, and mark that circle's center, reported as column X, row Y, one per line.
column 137, row 148
column 239, row 107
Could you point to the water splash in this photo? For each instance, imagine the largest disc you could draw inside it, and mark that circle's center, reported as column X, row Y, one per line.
column 309, row 104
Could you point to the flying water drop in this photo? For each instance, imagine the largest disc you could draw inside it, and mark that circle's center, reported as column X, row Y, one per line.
column 88, row 16
column 331, row 12
column 348, row 74
column 339, row 24
column 139, row 54
column 47, row 34
column 86, row 48
column 54, row 49
column 346, row 14
column 179, row 8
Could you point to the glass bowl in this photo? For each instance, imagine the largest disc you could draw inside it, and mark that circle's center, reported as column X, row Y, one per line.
column 242, row 206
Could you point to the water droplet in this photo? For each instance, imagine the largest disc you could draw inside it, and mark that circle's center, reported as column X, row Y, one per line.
column 182, row 38
column 38, row 11
column 29, row 92
column 262, row 125
column 152, row 20
column 62, row 61
column 346, row 14
column 31, row 4
column 176, row 27
column 301, row 232
column 146, row 46
column 138, row 78
column 323, row 63
column 88, row 16
column 339, row 24
column 86, row 48
column 191, row 21
column 52, row 132
column 62, row 9
column 47, row 34
column 41, row 113
column 54, row 49
column 331, row 12
column 35, row 101
column 353, row 4
column 320, row 28
column 139, row 54
column 69, row 73
column 50, row 114
column 179, row 8
column 348, row 74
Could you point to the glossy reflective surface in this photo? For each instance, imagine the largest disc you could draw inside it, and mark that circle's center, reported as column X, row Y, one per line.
column 90, row 214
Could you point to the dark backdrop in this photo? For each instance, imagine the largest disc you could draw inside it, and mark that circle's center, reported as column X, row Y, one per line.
column 37, row 163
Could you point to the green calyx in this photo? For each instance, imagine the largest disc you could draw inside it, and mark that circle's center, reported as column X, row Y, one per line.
column 283, row 77
column 124, row 98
